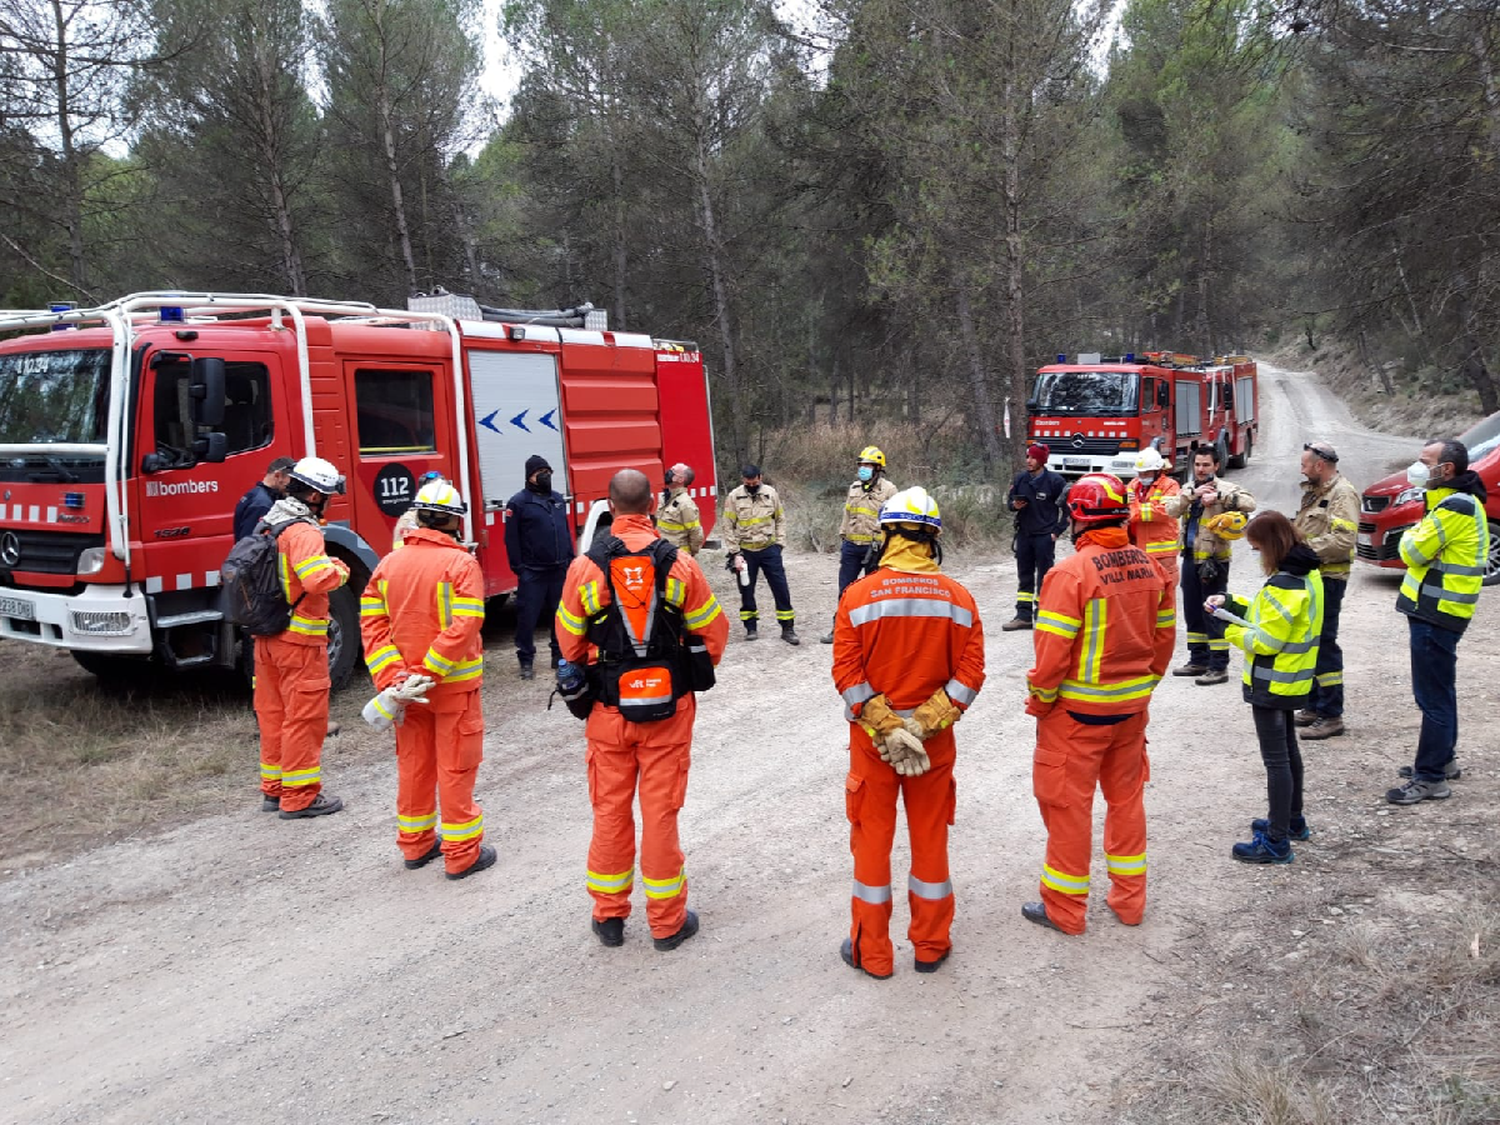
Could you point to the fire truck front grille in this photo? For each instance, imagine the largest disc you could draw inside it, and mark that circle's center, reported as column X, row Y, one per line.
column 44, row 552
column 1082, row 446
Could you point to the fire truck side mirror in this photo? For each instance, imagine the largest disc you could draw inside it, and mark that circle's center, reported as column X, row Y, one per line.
column 206, row 388
column 1031, row 406
column 1164, row 393
column 212, row 448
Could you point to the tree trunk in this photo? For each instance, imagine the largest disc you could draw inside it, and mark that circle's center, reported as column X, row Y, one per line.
column 388, row 144
column 265, row 107
column 723, row 314
column 621, row 262
column 72, row 176
column 979, row 384
column 1474, row 368
column 1015, row 276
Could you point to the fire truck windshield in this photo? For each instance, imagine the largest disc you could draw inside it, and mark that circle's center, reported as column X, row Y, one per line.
column 54, row 397
column 1086, row 392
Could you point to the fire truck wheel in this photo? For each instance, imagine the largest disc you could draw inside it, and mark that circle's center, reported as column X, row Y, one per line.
column 343, row 634
column 1238, row 460
column 1222, row 445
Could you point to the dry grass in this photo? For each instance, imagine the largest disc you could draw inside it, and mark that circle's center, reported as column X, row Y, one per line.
column 812, row 467
column 82, row 762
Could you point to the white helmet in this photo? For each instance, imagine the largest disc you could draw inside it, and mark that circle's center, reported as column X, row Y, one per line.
column 914, row 506
column 319, row 475
column 440, row 496
column 1150, row 461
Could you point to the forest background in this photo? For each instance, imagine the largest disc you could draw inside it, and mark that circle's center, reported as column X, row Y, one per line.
column 885, row 214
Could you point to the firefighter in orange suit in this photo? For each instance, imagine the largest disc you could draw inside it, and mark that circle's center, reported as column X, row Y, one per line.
column 621, row 751
column 1152, row 527
column 908, row 659
column 291, row 669
column 421, row 615
column 1104, row 633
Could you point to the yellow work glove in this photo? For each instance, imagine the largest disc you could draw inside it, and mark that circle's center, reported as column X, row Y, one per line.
column 938, row 713
column 904, row 752
column 877, row 717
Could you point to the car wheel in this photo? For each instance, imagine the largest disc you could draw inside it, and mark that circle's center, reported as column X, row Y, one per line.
column 1492, row 563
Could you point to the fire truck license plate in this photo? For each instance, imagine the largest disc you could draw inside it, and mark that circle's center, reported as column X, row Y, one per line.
column 15, row 607
column 1076, row 462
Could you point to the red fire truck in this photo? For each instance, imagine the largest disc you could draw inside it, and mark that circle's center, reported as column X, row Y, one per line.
column 129, row 432
column 1096, row 414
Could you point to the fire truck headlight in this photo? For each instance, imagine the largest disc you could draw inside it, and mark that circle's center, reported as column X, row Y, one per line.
column 90, row 561
column 101, row 624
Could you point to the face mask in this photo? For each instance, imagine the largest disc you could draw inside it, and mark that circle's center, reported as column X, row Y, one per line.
column 752, row 489
column 1147, row 479
column 1418, row 474
column 866, row 473
column 544, row 482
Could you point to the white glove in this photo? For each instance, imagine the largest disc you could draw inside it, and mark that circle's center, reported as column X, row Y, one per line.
column 389, row 707
column 903, row 750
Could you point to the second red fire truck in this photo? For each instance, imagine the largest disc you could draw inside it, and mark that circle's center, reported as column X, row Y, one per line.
column 1096, row 414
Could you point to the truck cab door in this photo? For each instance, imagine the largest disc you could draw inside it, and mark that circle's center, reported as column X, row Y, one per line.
column 184, row 503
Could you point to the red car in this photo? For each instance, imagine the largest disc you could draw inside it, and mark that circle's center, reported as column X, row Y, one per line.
column 1391, row 505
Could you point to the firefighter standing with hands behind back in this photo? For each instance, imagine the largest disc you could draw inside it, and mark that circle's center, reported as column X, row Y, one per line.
column 421, row 617
column 678, row 519
column 861, row 523
column 1036, row 497
column 908, row 659
column 1104, row 634
column 656, row 630
column 291, row 669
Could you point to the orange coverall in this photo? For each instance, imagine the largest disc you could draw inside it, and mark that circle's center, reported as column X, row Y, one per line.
column 903, row 633
column 620, row 753
column 291, row 671
column 1105, row 627
column 421, row 614
column 1152, row 529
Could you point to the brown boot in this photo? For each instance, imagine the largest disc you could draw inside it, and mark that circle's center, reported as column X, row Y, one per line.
column 1306, row 717
column 1190, row 669
column 1213, row 676
column 1325, row 727
column 1015, row 624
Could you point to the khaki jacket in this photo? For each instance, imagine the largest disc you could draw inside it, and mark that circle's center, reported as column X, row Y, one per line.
column 1198, row 542
column 678, row 522
column 861, row 522
column 752, row 523
column 1328, row 519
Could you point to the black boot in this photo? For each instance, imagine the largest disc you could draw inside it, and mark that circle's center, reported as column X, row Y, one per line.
column 789, row 634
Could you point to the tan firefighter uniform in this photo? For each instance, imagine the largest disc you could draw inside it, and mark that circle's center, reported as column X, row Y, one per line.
column 678, row 521
column 861, row 522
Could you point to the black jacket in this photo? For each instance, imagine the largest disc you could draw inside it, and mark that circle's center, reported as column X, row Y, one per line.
column 252, row 508
column 538, row 534
column 1044, row 494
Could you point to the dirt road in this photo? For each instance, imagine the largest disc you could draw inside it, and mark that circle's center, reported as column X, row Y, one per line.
column 242, row 968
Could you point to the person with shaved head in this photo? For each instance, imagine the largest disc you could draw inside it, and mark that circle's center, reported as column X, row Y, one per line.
column 639, row 616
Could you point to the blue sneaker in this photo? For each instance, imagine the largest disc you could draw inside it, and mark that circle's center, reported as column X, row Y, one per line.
column 1299, row 829
column 1263, row 849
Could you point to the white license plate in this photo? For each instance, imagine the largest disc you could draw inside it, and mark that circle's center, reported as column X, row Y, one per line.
column 1365, row 540
column 1076, row 462
column 15, row 607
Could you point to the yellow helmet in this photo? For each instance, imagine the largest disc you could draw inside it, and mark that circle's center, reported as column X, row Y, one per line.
column 913, row 505
column 1227, row 525
column 872, row 455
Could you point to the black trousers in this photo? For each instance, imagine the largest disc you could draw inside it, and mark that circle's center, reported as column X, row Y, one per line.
column 1328, row 689
column 767, row 559
column 1034, row 557
column 537, row 596
column 1205, row 634
column 1277, row 731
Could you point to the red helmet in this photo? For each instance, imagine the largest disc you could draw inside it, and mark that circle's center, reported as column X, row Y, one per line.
column 1097, row 498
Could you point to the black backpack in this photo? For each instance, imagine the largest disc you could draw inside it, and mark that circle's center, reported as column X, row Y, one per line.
column 643, row 676
column 250, row 593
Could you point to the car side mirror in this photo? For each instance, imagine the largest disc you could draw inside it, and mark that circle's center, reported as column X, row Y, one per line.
column 213, row 447
column 206, row 389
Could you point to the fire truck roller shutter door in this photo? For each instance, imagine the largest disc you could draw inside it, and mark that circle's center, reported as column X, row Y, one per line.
column 515, row 416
